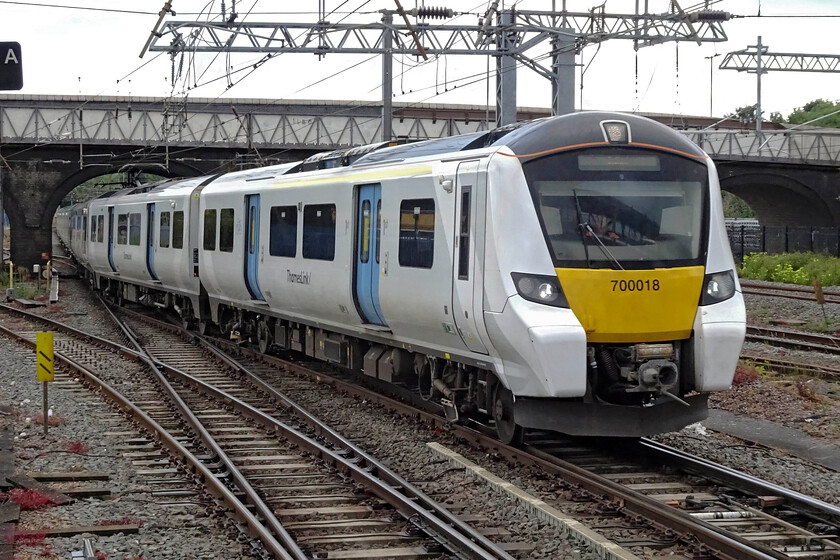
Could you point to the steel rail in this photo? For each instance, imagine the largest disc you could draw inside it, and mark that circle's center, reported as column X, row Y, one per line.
column 213, row 484
column 290, row 550
column 788, row 366
column 787, row 288
column 729, row 546
column 730, row 477
column 445, row 527
column 803, row 293
column 794, row 339
column 726, row 544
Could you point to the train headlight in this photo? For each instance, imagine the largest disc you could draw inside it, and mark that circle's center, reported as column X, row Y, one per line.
column 540, row 289
column 717, row 287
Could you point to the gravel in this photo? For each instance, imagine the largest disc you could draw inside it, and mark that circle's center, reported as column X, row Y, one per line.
column 400, row 442
column 192, row 530
column 809, row 404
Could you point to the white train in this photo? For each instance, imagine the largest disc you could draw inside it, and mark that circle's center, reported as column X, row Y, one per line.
column 570, row 273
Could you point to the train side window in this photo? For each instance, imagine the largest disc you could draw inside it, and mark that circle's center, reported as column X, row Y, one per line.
column 93, row 228
column 319, row 231
column 122, row 229
column 464, row 236
column 417, row 232
column 134, row 228
column 178, row 230
column 226, row 230
column 164, row 228
column 209, row 230
column 282, row 241
column 100, row 228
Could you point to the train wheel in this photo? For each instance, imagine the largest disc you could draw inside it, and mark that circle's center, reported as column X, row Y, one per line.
column 264, row 338
column 508, row 431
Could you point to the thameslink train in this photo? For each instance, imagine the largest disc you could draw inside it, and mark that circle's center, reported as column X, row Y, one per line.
column 571, row 273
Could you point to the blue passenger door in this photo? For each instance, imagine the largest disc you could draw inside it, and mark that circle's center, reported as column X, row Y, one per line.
column 111, row 238
column 150, row 241
column 252, row 246
column 368, row 227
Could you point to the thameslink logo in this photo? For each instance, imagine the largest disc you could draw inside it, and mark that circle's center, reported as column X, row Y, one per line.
column 299, row 278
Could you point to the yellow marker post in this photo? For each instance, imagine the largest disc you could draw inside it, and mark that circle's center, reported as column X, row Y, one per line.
column 46, row 367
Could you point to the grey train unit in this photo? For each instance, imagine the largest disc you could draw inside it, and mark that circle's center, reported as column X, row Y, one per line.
column 570, row 273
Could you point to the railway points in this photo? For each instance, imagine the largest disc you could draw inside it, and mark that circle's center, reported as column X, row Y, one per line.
column 323, row 375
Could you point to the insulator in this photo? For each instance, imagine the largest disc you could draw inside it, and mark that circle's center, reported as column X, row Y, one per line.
column 712, row 15
column 432, row 12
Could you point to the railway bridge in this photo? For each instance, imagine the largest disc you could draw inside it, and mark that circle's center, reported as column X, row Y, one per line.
column 51, row 144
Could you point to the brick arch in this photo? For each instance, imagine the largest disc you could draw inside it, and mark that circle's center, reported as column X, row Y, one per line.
column 70, row 182
column 781, row 196
column 30, row 199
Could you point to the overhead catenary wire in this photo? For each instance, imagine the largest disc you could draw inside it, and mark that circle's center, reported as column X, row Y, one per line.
column 457, row 82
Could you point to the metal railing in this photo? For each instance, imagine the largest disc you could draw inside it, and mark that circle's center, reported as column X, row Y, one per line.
column 815, row 147
column 750, row 237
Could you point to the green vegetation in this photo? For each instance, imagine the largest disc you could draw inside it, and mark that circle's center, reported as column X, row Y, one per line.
column 792, row 268
column 23, row 290
column 801, row 115
column 814, row 110
column 734, row 207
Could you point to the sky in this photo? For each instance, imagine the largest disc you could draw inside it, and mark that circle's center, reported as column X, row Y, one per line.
column 94, row 51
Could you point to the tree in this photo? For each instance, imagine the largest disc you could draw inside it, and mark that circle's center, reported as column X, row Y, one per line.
column 815, row 110
column 743, row 114
column 735, row 207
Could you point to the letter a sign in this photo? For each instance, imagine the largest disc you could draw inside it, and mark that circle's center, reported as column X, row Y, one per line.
column 11, row 67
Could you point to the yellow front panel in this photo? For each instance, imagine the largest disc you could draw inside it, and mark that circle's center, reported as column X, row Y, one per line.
column 622, row 306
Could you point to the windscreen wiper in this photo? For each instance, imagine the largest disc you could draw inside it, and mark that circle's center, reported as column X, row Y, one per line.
column 585, row 227
column 581, row 229
column 603, row 247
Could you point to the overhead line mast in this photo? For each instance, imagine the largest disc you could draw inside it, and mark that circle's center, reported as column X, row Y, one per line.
column 759, row 61
column 506, row 34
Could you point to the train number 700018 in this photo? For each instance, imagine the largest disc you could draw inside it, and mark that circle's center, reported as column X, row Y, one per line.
column 635, row 285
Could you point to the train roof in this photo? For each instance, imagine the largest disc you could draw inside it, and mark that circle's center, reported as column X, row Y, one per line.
column 590, row 128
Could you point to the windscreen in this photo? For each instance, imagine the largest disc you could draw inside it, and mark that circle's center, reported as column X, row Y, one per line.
column 621, row 208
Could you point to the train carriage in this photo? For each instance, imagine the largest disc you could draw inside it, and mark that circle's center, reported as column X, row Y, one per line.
column 570, row 273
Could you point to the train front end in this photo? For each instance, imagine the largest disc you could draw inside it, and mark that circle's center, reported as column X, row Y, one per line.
column 630, row 213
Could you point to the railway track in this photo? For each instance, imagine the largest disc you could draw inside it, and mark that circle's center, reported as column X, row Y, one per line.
column 794, row 339
column 295, row 485
column 793, row 367
column 805, row 293
column 706, row 507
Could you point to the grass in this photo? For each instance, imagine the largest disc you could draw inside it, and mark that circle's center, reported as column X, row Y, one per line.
column 792, row 268
column 23, row 289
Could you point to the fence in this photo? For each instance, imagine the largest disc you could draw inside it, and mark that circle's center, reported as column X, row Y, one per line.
column 747, row 236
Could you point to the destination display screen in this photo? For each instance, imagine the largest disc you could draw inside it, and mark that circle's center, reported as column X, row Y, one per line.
column 618, row 162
